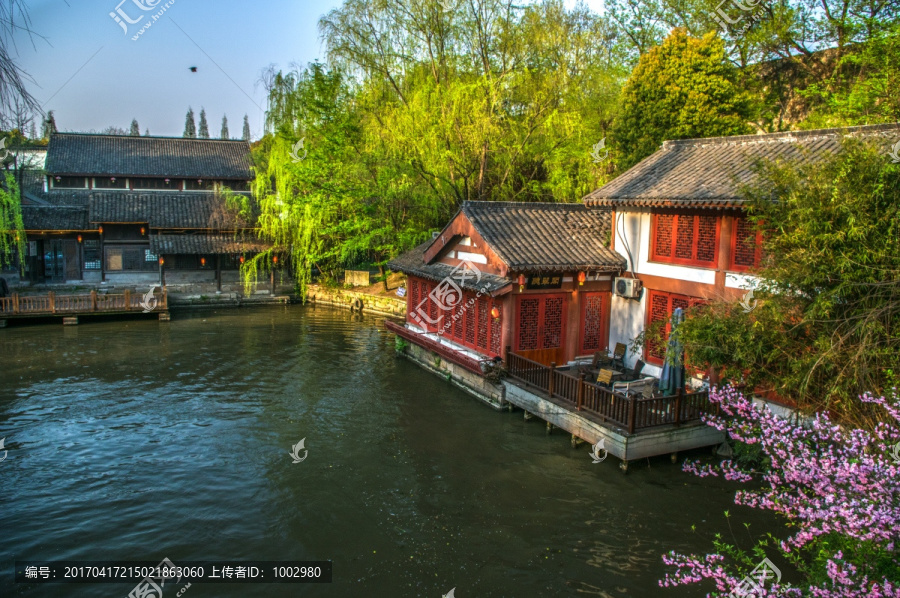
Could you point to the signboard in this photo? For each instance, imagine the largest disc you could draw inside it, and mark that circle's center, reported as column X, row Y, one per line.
column 545, row 281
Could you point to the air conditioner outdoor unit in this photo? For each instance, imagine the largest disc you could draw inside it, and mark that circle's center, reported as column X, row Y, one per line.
column 628, row 287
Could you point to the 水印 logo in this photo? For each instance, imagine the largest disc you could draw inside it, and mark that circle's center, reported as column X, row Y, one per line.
column 3, row 151
column 149, row 302
column 895, row 451
column 2, row 448
column 595, row 451
column 748, row 303
column 895, row 153
column 295, row 151
column 450, row 594
column 599, row 147
column 295, row 451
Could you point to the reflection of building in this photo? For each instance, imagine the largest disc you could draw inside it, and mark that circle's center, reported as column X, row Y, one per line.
column 123, row 209
column 535, row 277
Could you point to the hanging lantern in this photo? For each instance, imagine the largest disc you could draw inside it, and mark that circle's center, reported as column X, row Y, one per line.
column 495, row 312
column 167, row 181
column 100, row 230
column 202, row 261
column 113, row 179
column 79, row 238
column 581, row 278
column 522, row 280
column 274, row 259
column 242, row 259
column 161, row 261
column 143, row 230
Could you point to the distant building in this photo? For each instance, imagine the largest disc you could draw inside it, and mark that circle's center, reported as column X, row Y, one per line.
column 136, row 210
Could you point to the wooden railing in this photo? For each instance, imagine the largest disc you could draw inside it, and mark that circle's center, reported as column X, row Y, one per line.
column 628, row 412
column 442, row 350
column 51, row 303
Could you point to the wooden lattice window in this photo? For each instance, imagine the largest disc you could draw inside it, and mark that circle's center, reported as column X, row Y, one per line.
column 432, row 309
column 595, row 316
column 413, row 296
column 746, row 245
column 529, row 313
column 660, row 308
column 496, row 329
column 458, row 322
column 553, row 323
column 470, row 321
column 685, row 239
column 483, row 312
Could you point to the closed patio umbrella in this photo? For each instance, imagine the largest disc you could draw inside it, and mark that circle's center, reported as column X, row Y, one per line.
column 672, row 377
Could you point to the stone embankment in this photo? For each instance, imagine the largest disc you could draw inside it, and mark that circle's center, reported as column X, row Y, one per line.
column 384, row 305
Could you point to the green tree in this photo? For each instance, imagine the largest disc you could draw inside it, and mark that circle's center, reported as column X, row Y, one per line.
column 12, row 228
column 135, row 130
column 223, row 134
column 190, row 127
column 827, row 327
column 245, row 134
column 682, row 89
column 203, row 133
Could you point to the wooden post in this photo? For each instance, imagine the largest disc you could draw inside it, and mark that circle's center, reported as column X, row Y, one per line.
column 272, row 281
column 580, row 393
column 52, row 297
column 93, row 300
column 631, row 405
column 550, row 381
column 127, row 299
column 165, row 298
column 15, row 303
column 678, row 395
column 218, row 273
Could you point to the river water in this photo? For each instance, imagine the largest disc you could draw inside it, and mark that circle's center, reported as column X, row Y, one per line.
column 141, row 440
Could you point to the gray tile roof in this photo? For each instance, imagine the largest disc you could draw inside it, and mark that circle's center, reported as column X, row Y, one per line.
column 413, row 262
column 534, row 237
column 38, row 218
column 84, row 154
column 709, row 172
column 162, row 210
column 204, row 244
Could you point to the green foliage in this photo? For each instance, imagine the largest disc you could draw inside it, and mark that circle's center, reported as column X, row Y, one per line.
column 681, row 89
column 12, row 229
column 826, row 327
column 400, row 344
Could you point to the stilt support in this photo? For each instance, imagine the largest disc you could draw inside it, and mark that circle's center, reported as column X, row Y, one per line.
column 528, row 416
column 164, row 316
column 576, row 441
column 549, row 428
column 624, row 466
column 71, row 321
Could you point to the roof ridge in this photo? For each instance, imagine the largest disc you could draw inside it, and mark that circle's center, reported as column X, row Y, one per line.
column 779, row 136
column 81, row 134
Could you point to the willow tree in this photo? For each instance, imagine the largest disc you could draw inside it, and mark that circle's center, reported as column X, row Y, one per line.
column 12, row 228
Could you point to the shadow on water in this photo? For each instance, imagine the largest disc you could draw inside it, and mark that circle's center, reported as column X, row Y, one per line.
column 139, row 440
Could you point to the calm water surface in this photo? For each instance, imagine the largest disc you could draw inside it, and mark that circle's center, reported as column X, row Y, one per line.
column 139, row 440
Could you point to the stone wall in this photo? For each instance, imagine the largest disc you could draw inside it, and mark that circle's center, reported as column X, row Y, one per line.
column 377, row 304
column 357, row 278
column 489, row 392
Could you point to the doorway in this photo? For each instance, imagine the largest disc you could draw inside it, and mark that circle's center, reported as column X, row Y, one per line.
column 541, row 327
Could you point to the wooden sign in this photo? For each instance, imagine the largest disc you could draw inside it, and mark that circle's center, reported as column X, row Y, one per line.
column 545, row 281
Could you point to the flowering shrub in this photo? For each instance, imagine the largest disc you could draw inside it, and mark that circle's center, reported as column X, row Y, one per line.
column 838, row 488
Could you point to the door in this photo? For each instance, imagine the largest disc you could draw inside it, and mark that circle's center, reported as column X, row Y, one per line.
column 54, row 262
column 594, row 323
column 541, row 328
column 73, row 263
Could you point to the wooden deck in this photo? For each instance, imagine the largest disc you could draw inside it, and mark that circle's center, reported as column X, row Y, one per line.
column 69, row 307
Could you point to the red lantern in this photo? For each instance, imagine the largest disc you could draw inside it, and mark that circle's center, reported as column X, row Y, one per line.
column 143, row 230
column 202, row 261
column 100, row 230
column 495, row 312
column 161, row 261
column 274, row 259
column 242, row 259
column 522, row 280
column 581, row 278
column 79, row 238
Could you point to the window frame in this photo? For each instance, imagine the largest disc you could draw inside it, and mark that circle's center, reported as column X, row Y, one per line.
column 692, row 262
column 758, row 246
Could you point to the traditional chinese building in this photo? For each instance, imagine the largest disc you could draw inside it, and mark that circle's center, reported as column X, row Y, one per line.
column 530, row 276
column 136, row 210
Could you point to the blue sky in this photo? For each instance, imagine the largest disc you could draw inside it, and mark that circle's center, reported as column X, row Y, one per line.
column 93, row 75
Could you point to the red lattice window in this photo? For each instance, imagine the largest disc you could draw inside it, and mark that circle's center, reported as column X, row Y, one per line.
column 664, row 225
column 746, row 245
column 432, row 309
column 660, row 308
column 689, row 240
column 496, row 329
column 529, row 315
column 553, row 324
column 458, row 323
column 483, row 323
column 595, row 315
column 470, row 321
column 413, row 297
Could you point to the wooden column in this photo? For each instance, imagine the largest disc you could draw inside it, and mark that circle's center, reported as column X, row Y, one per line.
column 550, row 380
column 93, row 300
column 52, row 297
column 580, row 401
column 127, row 299
column 218, row 273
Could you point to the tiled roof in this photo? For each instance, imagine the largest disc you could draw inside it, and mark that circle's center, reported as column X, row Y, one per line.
column 413, row 262
column 709, row 172
column 38, row 218
column 204, row 244
column 161, row 210
column 119, row 155
column 531, row 237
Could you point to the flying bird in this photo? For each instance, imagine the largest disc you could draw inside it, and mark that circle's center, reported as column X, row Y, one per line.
column 193, row 69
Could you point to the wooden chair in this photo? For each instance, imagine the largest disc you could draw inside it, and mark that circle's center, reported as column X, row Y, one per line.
column 633, row 387
column 617, row 359
column 605, row 377
column 635, row 373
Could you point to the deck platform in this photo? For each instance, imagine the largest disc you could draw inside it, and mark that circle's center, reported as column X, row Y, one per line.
column 70, row 307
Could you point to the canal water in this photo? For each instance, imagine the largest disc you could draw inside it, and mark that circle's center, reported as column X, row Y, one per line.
column 141, row 440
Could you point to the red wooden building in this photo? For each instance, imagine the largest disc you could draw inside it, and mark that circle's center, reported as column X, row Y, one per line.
column 531, row 276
